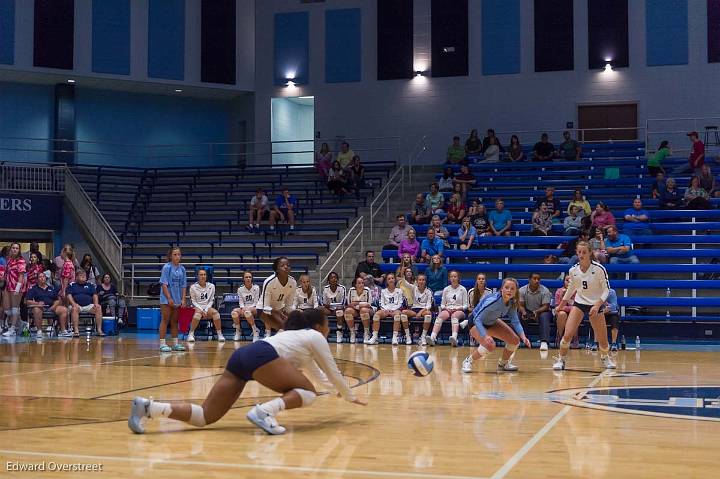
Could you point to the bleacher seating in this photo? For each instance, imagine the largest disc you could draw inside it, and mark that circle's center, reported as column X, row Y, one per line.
column 205, row 211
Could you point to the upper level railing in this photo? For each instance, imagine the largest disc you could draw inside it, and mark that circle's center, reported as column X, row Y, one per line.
column 58, row 178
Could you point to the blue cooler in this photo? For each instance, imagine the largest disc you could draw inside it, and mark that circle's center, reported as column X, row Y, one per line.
column 109, row 325
column 148, row 318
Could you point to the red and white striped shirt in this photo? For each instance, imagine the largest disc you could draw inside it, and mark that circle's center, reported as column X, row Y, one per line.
column 13, row 271
column 32, row 275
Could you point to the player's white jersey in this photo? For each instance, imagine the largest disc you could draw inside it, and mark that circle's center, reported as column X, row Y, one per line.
column 248, row 298
column 589, row 287
column 334, row 299
column 306, row 301
column 454, row 298
column 422, row 299
column 354, row 297
column 391, row 301
column 471, row 295
column 276, row 295
column 202, row 298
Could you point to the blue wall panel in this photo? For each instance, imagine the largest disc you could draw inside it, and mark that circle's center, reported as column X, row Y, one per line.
column 111, row 36
column 27, row 112
column 7, row 32
column 666, row 24
column 343, row 45
column 500, row 37
column 291, row 47
column 166, row 39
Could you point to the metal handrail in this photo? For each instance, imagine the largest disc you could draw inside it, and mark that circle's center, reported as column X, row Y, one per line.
column 100, row 232
column 391, row 185
column 343, row 248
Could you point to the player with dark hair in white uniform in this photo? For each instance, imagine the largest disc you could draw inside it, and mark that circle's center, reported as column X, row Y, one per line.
column 277, row 296
column 248, row 298
column 589, row 283
column 392, row 301
column 333, row 302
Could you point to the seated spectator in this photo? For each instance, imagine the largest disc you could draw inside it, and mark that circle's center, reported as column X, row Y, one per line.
column 500, row 219
column 573, row 222
column 455, row 152
column 491, row 139
column 455, row 210
column 696, row 198
column 43, row 298
column 465, row 179
column 492, row 151
column 515, row 151
column 337, row 180
column 410, row 245
column 434, row 201
column 202, row 297
column 597, row 245
column 707, row 181
column 431, row 246
column 654, row 163
column 479, row 219
column 696, row 158
column 534, row 306
column 375, row 293
column 356, row 175
column 285, row 208
column 670, row 197
column 445, row 183
column 406, row 261
column 369, row 266
column 111, row 302
column 619, row 247
column 637, row 220
column 398, row 233
column 552, row 203
column 419, row 214
column 82, row 298
column 323, row 161
column 569, row 149
column 473, row 146
column 612, row 317
column 258, row 209
column 479, row 291
column 569, row 249
column 34, row 248
column 582, row 204
column 467, row 234
column 33, row 269
column 543, row 149
column 659, row 185
column 91, row 272
column 541, row 221
column 437, row 275
column 441, row 232
column 345, row 156
column 602, row 217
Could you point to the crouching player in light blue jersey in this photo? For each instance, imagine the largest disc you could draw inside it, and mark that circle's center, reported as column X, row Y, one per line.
column 488, row 317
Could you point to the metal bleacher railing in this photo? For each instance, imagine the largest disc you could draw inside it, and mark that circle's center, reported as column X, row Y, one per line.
column 57, row 178
column 345, row 245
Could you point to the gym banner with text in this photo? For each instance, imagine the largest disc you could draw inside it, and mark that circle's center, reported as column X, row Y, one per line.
column 25, row 210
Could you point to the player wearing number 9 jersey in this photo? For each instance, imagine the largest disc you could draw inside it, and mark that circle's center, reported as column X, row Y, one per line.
column 392, row 301
column 589, row 283
column 277, row 296
column 248, row 297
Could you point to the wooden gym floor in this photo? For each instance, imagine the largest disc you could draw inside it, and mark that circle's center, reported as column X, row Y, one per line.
column 66, row 402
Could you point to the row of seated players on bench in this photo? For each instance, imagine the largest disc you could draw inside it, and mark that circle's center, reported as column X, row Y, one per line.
column 401, row 302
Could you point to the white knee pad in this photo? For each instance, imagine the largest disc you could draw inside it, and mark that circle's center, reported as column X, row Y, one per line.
column 340, row 315
column 427, row 318
column 308, row 397
column 235, row 315
column 512, row 347
column 365, row 316
column 403, row 318
column 197, row 316
column 482, row 350
column 248, row 315
column 197, row 416
column 396, row 317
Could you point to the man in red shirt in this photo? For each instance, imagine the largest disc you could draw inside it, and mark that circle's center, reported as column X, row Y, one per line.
column 697, row 156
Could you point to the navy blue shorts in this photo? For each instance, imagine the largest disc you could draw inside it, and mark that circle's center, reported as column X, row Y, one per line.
column 244, row 361
column 585, row 308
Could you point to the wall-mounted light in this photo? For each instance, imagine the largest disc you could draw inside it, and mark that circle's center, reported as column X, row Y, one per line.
column 608, row 67
column 70, row 80
column 290, row 83
column 419, row 73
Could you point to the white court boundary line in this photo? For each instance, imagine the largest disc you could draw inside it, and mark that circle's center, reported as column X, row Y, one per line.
column 517, row 457
column 77, row 366
column 229, row 465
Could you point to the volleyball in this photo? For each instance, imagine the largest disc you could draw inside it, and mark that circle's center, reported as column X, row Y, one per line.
column 420, row 363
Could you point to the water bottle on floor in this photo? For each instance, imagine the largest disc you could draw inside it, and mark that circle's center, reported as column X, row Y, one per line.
column 637, row 343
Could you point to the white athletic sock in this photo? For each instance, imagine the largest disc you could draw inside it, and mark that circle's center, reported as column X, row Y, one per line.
column 423, row 334
column 395, row 334
column 407, row 332
column 433, row 336
column 469, row 358
column 375, row 334
column 274, row 406
column 162, row 342
column 159, row 409
column 176, row 341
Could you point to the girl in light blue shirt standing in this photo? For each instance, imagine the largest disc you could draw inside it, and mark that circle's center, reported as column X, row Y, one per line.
column 173, row 286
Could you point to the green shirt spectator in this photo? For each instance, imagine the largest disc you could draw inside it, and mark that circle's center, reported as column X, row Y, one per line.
column 455, row 152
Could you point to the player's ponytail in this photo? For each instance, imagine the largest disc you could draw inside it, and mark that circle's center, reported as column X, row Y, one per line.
column 295, row 320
